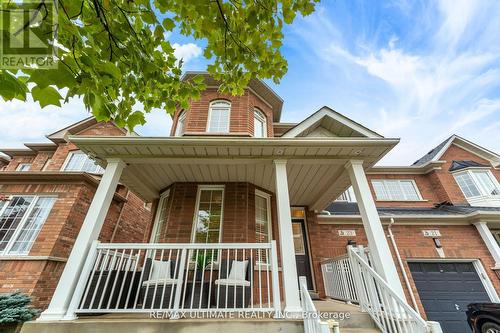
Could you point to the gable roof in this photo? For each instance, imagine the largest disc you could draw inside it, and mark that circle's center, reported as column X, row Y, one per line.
column 330, row 120
column 436, row 153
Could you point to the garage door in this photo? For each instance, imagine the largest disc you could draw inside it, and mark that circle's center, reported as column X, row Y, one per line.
column 445, row 289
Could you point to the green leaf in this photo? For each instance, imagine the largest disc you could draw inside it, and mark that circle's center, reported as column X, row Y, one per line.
column 12, row 87
column 46, row 96
column 168, row 24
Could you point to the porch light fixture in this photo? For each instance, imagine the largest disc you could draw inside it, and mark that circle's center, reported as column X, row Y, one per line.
column 280, row 151
column 351, row 242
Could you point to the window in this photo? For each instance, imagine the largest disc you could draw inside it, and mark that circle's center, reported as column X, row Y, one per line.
column 81, row 162
column 347, row 195
column 161, row 218
column 259, row 124
column 396, row 190
column 208, row 216
column 23, row 167
column 262, row 223
column 474, row 183
column 179, row 130
column 218, row 117
column 21, row 219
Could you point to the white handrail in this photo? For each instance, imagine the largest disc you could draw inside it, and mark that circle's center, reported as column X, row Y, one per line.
column 338, row 279
column 192, row 277
column 389, row 311
column 312, row 322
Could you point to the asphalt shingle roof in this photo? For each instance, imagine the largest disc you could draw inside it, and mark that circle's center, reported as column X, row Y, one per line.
column 430, row 155
column 351, row 208
column 459, row 165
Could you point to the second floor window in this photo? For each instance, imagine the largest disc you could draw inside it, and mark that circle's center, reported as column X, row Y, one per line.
column 78, row 161
column 396, row 190
column 218, row 117
column 21, row 219
column 259, row 124
column 475, row 183
column 179, row 129
column 23, row 167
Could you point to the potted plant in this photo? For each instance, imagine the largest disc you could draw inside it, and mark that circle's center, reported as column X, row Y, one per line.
column 14, row 310
column 202, row 260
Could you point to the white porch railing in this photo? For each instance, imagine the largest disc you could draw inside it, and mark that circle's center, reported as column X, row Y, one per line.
column 312, row 322
column 351, row 278
column 389, row 311
column 338, row 279
column 178, row 277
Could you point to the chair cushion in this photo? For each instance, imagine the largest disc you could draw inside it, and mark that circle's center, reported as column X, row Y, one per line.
column 232, row 282
column 160, row 282
column 238, row 270
column 160, row 270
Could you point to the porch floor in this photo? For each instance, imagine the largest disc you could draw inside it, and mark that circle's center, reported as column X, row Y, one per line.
column 350, row 317
column 126, row 324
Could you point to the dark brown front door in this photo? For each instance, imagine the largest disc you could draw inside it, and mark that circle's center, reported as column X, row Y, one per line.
column 301, row 251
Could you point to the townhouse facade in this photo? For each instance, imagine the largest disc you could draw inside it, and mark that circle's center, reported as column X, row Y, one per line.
column 45, row 193
column 244, row 205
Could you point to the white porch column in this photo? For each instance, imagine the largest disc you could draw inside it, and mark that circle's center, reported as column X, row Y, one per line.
column 288, row 264
column 489, row 240
column 379, row 248
column 89, row 232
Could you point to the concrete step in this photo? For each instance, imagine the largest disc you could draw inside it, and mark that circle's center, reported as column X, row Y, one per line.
column 359, row 330
column 347, row 315
column 165, row 326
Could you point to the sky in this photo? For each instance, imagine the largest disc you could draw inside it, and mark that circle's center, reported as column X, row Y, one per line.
column 415, row 70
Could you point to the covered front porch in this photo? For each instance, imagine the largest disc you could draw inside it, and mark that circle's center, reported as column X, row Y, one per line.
column 214, row 246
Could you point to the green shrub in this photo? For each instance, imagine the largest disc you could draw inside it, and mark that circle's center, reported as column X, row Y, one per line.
column 14, row 308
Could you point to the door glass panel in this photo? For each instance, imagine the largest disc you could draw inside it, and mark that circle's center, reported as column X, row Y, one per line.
column 298, row 239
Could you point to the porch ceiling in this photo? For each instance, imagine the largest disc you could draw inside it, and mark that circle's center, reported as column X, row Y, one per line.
column 316, row 173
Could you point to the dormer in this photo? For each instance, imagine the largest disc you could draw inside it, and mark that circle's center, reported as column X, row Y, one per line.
column 215, row 114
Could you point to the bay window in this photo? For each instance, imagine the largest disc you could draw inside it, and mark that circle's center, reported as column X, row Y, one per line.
column 21, row 219
column 218, row 117
column 475, row 183
column 262, row 223
column 208, row 216
column 259, row 124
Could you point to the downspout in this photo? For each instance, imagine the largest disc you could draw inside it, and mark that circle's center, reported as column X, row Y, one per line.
column 401, row 266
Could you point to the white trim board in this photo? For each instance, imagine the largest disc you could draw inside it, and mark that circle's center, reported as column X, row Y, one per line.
column 327, row 112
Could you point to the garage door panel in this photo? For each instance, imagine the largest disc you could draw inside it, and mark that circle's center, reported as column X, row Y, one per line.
column 445, row 289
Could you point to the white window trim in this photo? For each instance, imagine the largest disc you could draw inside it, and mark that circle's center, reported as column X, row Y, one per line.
column 259, row 114
column 210, row 116
column 470, row 172
column 161, row 202
column 8, row 247
column 20, row 165
column 182, row 117
column 197, row 207
column 417, row 190
column 267, row 197
column 68, row 158
column 349, row 194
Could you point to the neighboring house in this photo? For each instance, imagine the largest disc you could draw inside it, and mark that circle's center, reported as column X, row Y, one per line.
column 244, row 207
column 45, row 193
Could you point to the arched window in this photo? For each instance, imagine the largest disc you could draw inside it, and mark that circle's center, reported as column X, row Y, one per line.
column 259, row 124
column 179, row 129
column 218, row 117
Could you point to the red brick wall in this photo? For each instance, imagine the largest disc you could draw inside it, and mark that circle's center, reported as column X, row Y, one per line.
column 458, row 241
column 241, row 119
column 16, row 160
column 438, row 185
